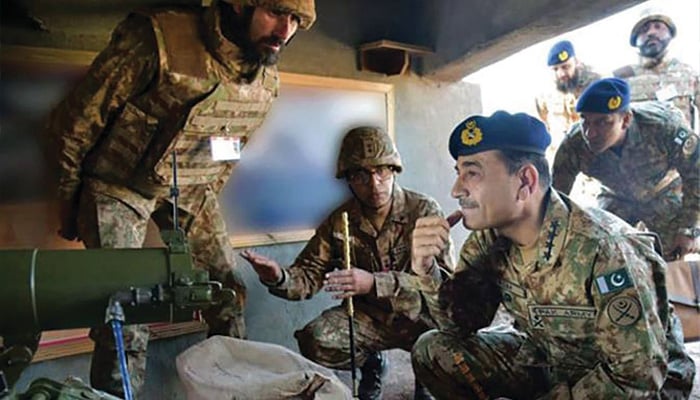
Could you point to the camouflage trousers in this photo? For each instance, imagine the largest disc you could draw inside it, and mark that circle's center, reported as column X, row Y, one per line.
column 659, row 215
column 326, row 339
column 481, row 367
column 106, row 222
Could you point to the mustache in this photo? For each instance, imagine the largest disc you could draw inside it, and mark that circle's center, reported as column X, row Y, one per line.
column 272, row 40
column 467, row 203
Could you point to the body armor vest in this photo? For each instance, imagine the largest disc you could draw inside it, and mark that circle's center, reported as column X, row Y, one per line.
column 194, row 99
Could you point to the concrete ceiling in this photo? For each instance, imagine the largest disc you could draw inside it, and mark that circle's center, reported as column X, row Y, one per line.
column 465, row 35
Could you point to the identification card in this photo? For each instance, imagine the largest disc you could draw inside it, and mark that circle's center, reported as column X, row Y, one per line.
column 666, row 93
column 225, row 148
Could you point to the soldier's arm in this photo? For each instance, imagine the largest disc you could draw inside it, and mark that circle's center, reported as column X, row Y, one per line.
column 403, row 288
column 630, row 334
column 566, row 162
column 304, row 278
column 123, row 69
column 684, row 151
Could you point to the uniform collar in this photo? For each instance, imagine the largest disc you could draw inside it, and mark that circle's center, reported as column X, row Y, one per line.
column 553, row 231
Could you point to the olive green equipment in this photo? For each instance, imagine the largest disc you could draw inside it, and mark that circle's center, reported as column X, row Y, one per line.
column 63, row 289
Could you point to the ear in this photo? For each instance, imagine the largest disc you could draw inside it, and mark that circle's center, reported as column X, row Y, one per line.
column 529, row 179
column 626, row 119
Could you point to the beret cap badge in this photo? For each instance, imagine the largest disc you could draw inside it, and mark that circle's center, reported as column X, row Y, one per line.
column 563, row 55
column 614, row 102
column 471, row 135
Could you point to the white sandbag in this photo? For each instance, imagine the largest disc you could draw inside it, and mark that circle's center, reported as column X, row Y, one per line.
column 226, row 368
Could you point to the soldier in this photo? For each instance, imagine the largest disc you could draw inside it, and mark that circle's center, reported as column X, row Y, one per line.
column 658, row 76
column 645, row 155
column 592, row 320
column 556, row 107
column 389, row 310
column 194, row 81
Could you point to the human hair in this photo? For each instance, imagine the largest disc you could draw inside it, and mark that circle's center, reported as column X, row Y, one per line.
column 515, row 160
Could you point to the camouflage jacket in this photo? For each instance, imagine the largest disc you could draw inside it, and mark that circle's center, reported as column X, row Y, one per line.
column 668, row 80
column 160, row 86
column 387, row 254
column 659, row 146
column 591, row 306
column 557, row 109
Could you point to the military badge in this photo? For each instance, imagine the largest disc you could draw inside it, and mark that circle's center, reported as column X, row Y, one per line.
column 471, row 135
column 614, row 102
column 563, row 55
column 624, row 310
column 690, row 146
column 614, row 281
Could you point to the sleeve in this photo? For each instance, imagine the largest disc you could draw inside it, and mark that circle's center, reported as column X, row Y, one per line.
column 630, row 334
column 566, row 162
column 304, row 278
column 404, row 290
column 122, row 70
column 685, row 158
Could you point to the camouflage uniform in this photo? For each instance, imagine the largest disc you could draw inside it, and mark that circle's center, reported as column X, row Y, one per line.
column 665, row 80
column 393, row 315
column 558, row 110
column 655, row 178
column 167, row 82
column 592, row 320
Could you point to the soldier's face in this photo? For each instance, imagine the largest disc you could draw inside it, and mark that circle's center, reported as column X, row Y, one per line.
column 270, row 30
column 653, row 38
column 603, row 131
column 486, row 192
column 566, row 75
column 375, row 192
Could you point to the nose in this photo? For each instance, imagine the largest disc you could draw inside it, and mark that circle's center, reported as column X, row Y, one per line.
column 457, row 190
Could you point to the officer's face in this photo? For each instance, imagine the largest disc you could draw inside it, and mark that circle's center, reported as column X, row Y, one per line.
column 373, row 187
column 653, row 38
column 270, row 30
column 566, row 75
column 487, row 193
column 603, row 131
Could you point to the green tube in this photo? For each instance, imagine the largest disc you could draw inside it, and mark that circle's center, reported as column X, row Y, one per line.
column 63, row 289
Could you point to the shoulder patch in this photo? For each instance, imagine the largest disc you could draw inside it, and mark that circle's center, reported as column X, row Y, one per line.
column 613, row 281
column 690, row 145
column 624, row 310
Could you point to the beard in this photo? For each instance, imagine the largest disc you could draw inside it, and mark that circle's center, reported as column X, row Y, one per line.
column 653, row 47
column 569, row 86
column 236, row 29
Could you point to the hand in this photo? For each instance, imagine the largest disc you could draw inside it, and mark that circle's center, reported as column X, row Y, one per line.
column 68, row 218
column 267, row 269
column 349, row 282
column 682, row 245
column 430, row 237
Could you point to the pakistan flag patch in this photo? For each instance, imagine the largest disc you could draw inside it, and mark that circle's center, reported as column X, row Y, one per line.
column 613, row 281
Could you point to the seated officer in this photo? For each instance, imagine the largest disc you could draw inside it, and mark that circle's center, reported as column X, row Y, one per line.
column 646, row 157
column 390, row 312
column 592, row 320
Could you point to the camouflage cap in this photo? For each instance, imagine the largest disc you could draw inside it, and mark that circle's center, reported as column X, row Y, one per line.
column 647, row 15
column 367, row 147
column 304, row 9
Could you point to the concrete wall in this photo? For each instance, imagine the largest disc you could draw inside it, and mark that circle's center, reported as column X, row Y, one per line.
column 425, row 113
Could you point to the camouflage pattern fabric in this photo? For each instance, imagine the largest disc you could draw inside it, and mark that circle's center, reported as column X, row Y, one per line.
column 665, row 80
column 395, row 307
column 158, row 88
column 642, row 182
column 592, row 319
column 558, row 110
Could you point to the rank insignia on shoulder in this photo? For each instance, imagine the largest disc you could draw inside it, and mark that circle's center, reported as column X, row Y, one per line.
column 613, row 281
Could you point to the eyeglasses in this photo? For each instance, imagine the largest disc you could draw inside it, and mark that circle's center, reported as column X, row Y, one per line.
column 363, row 176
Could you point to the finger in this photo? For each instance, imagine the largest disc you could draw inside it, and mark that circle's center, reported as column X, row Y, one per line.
column 343, row 295
column 433, row 220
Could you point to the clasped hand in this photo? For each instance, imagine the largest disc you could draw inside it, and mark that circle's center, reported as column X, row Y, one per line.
column 348, row 282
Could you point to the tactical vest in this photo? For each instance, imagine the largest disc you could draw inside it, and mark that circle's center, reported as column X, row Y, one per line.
column 195, row 98
column 670, row 81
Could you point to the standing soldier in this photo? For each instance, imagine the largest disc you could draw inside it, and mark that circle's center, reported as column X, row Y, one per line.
column 556, row 108
column 645, row 155
column 197, row 82
column 390, row 311
column 658, row 76
column 592, row 319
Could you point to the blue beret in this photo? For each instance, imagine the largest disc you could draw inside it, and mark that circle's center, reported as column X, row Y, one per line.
column 604, row 96
column 560, row 52
column 500, row 131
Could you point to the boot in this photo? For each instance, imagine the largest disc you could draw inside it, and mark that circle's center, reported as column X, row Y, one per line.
column 373, row 370
column 421, row 393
